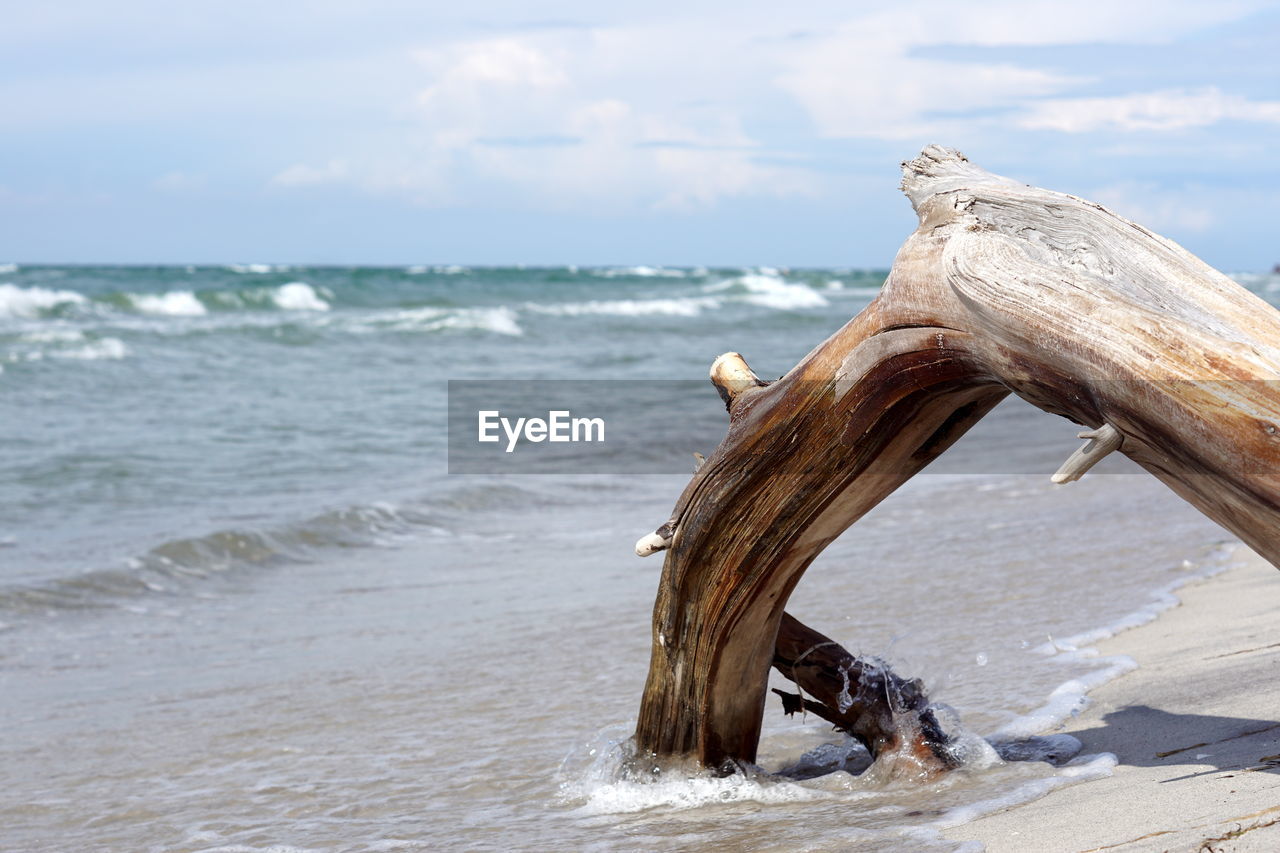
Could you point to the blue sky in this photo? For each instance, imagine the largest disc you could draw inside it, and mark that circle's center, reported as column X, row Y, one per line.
column 730, row 133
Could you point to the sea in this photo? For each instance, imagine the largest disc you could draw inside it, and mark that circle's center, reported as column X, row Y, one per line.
column 248, row 604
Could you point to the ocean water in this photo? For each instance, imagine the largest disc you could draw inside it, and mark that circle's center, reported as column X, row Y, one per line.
column 244, row 606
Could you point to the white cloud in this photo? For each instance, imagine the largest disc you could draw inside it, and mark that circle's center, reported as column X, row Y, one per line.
column 1159, row 111
column 670, row 113
column 562, row 119
column 502, row 62
column 867, row 79
column 626, row 155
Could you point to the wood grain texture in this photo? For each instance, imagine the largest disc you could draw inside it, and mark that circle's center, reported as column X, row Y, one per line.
column 1002, row 287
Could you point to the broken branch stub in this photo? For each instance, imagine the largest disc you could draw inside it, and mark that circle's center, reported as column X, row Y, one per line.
column 732, row 377
column 1101, row 441
column 1002, row 287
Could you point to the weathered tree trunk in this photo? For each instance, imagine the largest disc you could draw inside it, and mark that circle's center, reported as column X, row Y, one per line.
column 1003, row 287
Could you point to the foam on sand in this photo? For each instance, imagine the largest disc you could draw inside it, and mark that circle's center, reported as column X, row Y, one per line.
column 1081, row 769
column 595, row 779
column 1186, row 727
column 1072, row 696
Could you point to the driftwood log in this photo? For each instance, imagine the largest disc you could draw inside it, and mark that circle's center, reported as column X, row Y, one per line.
column 1002, row 288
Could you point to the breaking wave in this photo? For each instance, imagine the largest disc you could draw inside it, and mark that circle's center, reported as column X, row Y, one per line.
column 680, row 307
column 67, row 344
column 175, row 303
column 169, row 568
column 34, row 301
column 39, row 302
column 258, row 269
column 298, row 296
column 643, row 271
column 500, row 320
column 769, row 290
column 416, row 299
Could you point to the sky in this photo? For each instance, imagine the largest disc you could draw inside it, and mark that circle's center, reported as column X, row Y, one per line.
column 736, row 133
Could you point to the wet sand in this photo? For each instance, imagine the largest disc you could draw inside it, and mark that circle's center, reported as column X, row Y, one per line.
column 1196, row 731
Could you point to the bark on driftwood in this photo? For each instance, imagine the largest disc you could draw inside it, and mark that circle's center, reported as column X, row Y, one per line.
column 1003, row 287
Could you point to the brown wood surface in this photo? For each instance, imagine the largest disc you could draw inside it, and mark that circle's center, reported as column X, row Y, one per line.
column 1002, row 288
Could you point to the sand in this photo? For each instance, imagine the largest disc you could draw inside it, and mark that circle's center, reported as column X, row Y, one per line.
column 1196, row 730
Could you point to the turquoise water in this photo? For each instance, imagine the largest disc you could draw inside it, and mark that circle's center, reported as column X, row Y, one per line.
column 144, row 406
column 244, row 606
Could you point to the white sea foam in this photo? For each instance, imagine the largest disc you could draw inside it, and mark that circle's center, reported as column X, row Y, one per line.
column 1164, row 598
column 593, row 777
column 52, row 336
column 175, row 303
column 298, row 296
column 683, row 307
column 641, row 271
column 31, row 301
column 692, row 792
column 769, row 290
column 268, row 848
column 1071, row 697
column 600, row 787
column 258, row 269
column 105, row 349
column 1081, row 769
column 499, row 320
column 439, row 269
column 5, row 269
column 1067, row 699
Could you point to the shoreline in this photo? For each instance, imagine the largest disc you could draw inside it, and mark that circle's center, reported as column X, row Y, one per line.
column 1195, row 729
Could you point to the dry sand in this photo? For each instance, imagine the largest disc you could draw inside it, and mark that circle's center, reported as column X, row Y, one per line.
column 1196, row 729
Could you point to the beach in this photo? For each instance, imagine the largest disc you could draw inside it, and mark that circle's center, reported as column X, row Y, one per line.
column 596, row 428
column 246, row 604
column 1195, row 730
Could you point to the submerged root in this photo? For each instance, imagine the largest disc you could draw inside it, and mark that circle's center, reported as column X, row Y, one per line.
column 889, row 715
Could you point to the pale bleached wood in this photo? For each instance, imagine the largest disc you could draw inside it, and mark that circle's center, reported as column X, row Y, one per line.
column 1098, row 443
column 1003, row 287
